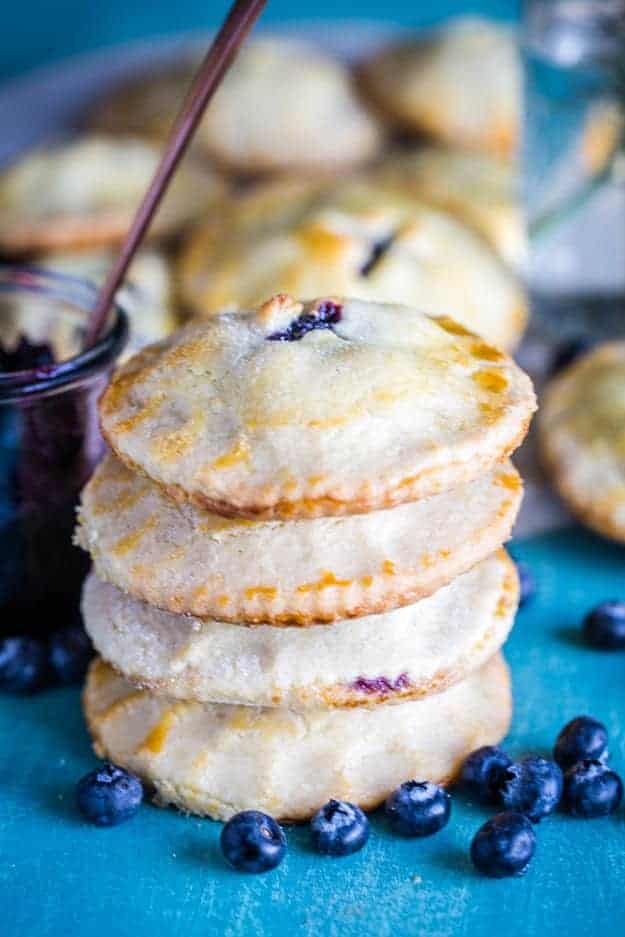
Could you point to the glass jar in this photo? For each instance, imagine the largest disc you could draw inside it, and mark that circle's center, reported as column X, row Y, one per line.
column 573, row 154
column 49, row 443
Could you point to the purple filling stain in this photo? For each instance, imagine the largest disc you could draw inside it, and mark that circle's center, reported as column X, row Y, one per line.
column 326, row 315
column 380, row 684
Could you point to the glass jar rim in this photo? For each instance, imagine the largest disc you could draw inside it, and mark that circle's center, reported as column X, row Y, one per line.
column 60, row 288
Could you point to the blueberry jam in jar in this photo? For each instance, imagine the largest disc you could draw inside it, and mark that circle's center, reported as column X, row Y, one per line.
column 49, row 441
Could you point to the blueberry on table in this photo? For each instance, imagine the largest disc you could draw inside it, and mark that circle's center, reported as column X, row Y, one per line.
column 532, row 787
column 504, row 846
column 251, row 841
column 339, row 829
column 481, row 772
column 527, row 583
column 418, row 808
column 591, row 790
column 23, row 664
column 109, row 795
column 70, row 651
column 569, row 351
column 581, row 738
column 604, row 626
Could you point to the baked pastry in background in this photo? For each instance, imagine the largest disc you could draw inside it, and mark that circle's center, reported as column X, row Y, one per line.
column 582, row 437
column 147, row 297
column 460, row 84
column 478, row 188
column 84, row 193
column 284, row 106
column 144, row 104
column 356, row 239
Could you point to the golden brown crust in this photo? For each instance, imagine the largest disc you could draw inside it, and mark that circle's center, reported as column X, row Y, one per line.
column 580, row 438
column 69, row 233
column 317, row 239
column 408, row 490
column 595, row 513
column 345, row 696
column 111, row 175
column 444, row 638
column 190, row 563
column 189, row 798
column 215, row 442
column 459, row 84
column 477, row 188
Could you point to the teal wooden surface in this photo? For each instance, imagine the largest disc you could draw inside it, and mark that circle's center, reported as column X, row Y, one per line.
column 162, row 874
column 36, row 35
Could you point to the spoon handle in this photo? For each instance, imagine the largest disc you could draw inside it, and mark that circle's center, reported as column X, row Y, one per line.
column 242, row 16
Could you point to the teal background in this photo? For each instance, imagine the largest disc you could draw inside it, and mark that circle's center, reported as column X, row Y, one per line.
column 44, row 31
column 161, row 874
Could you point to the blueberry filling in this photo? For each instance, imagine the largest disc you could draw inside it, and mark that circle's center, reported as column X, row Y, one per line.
column 325, row 316
column 378, row 250
column 49, row 449
column 380, row 684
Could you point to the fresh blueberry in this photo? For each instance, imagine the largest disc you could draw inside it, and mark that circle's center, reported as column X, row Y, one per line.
column 604, row 626
column 591, row 789
column 481, row 772
column 527, row 583
column 339, row 829
column 568, row 351
column 70, row 651
column 581, row 738
column 109, row 795
column 23, row 664
column 532, row 787
column 418, row 808
column 504, row 846
column 253, row 842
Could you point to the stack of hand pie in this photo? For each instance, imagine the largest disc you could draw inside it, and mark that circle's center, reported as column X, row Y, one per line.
column 298, row 577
